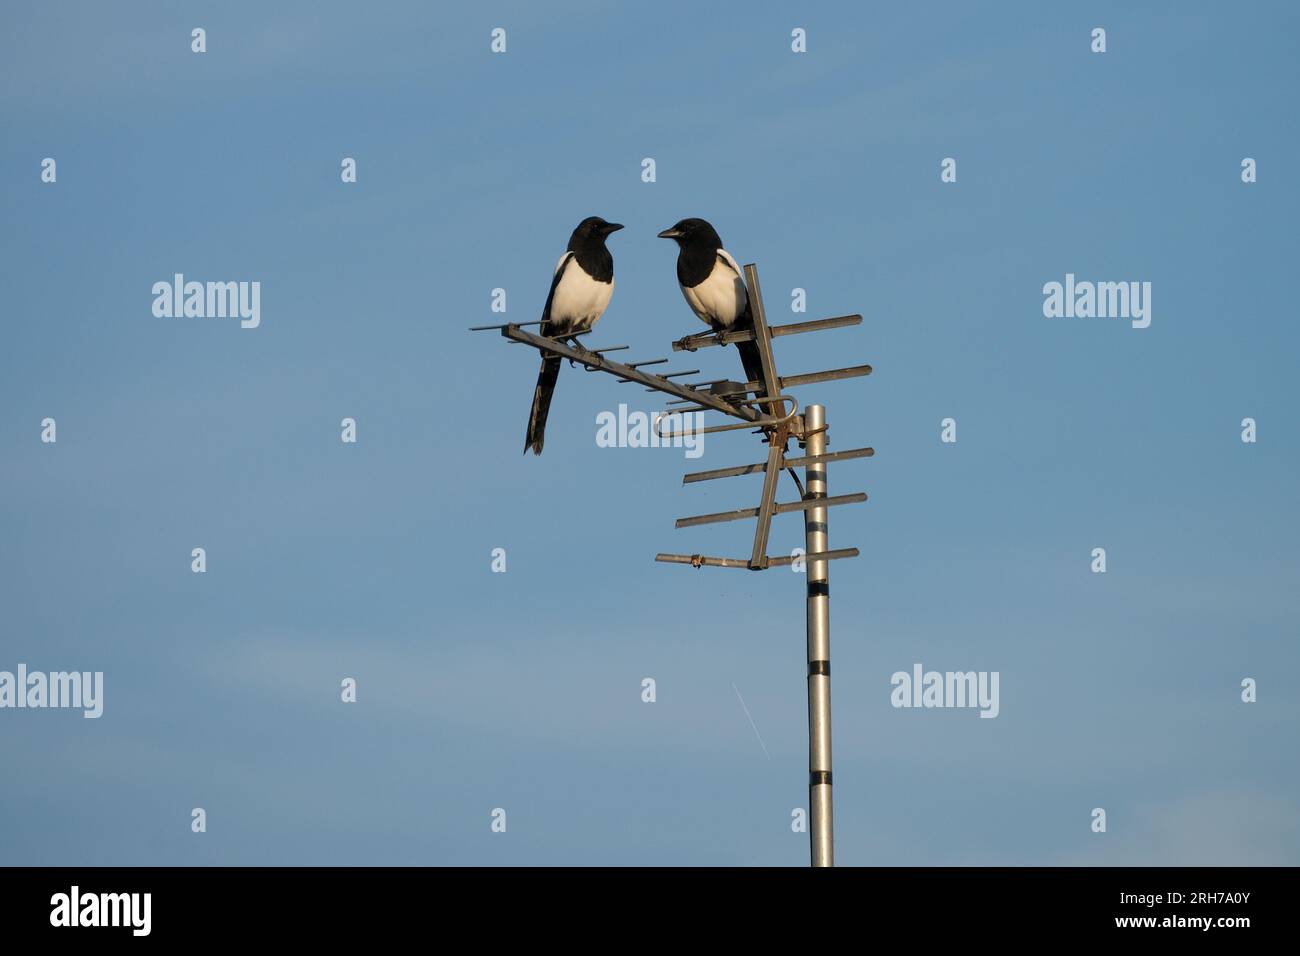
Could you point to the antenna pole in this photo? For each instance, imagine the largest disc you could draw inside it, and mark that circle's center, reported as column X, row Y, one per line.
column 816, row 538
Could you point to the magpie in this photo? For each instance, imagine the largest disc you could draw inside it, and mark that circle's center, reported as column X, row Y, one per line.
column 713, row 286
column 580, row 291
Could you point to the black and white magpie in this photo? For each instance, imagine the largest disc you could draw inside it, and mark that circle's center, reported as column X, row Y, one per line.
column 713, row 285
column 580, row 291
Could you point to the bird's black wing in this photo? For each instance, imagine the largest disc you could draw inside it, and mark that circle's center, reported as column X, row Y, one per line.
column 749, row 354
column 550, row 370
column 547, row 329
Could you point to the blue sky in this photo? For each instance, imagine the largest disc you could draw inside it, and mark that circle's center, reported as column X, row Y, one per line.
column 523, row 690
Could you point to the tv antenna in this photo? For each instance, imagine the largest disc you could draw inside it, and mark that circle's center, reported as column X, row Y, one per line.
column 776, row 415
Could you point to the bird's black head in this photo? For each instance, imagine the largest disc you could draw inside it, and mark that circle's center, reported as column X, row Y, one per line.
column 694, row 232
column 591, row 233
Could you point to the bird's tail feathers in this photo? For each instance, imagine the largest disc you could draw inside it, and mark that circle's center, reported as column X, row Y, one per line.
column 546, row 379
column 753, row 364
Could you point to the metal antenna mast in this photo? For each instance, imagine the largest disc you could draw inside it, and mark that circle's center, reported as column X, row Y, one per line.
column 819, row 647
column 776, row 415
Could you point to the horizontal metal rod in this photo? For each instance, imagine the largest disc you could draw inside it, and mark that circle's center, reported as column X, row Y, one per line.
column 713, row 381
column 488, row 328
column 588, row 368
column 713, row 391
column 779, row 509
column 761, row 466
column 830, row 456
column 815, row 556
column 693, row 371
column 658, row 382
column 769, row 400
column 853, row 371
column 705, row 561
column 706, row 339
column 830, row 375
column 519, row 325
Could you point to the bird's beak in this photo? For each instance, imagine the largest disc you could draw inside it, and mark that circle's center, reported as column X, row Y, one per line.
column 612, row 227
column 670, row 233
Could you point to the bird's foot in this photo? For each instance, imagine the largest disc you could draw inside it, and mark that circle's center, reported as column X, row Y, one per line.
column 577, row 345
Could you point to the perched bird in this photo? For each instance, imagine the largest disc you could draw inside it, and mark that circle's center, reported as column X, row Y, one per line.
column 580, row 291
column 713, row 286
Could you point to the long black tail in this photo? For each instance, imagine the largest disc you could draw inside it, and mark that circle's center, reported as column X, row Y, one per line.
column 546, row 379
column 753, row 364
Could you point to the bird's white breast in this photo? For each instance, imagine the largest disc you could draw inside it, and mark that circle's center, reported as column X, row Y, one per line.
column 721, row 298
column 579, row 299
